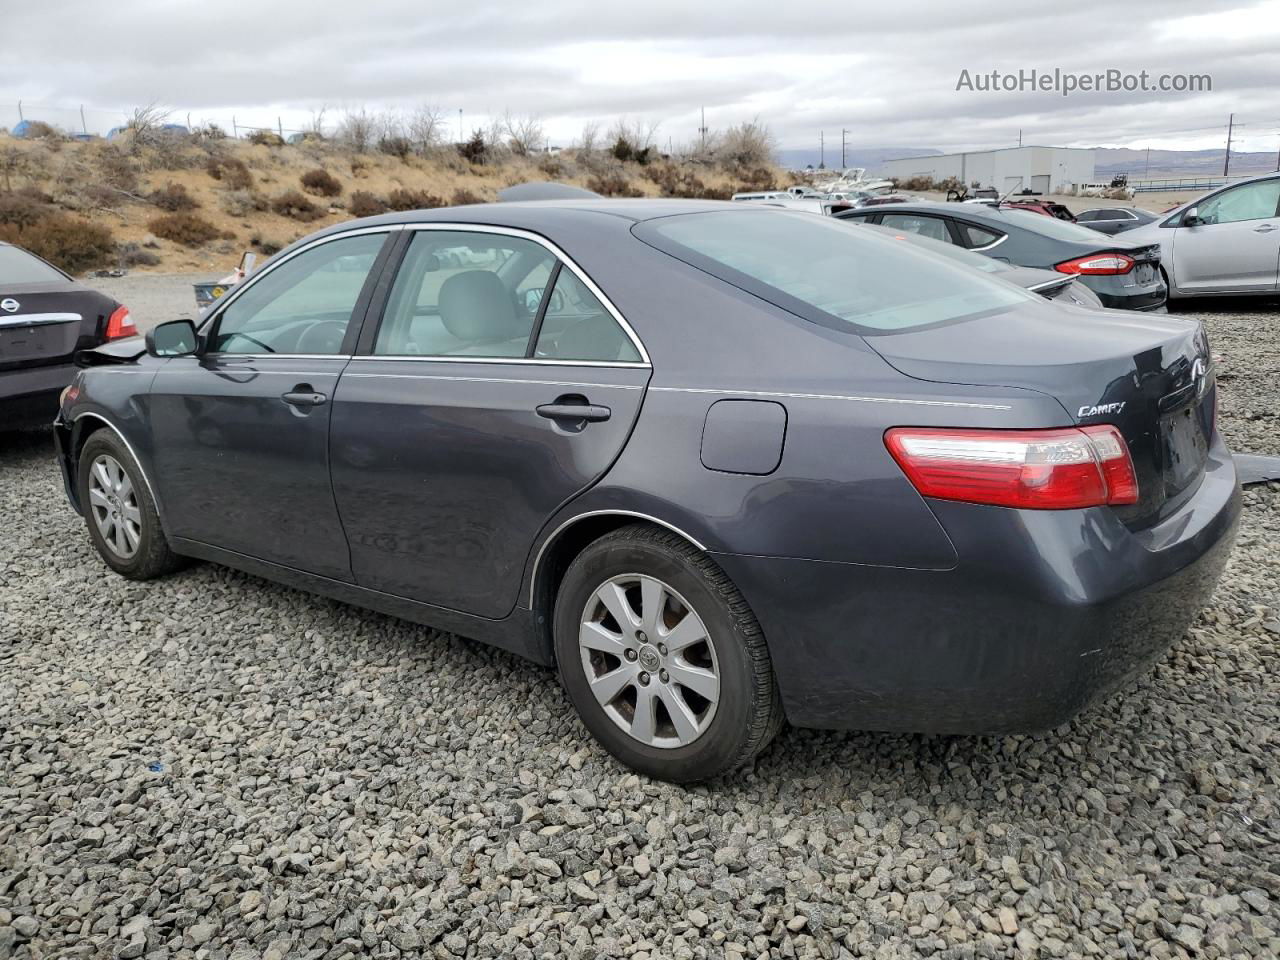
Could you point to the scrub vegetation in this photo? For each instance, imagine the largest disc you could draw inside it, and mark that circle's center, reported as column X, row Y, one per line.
column 261, row 192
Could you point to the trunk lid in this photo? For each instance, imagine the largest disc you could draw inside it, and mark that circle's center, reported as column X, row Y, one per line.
column 45, row 323
column 1150, row 376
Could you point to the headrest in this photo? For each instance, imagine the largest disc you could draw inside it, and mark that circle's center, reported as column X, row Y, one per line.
column 476, row 306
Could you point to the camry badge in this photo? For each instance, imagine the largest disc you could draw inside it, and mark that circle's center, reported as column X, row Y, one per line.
column 9, row 305
column 1100, row 409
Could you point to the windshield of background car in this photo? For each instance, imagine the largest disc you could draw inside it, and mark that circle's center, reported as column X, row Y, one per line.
column 18, row 266
column 830, row 272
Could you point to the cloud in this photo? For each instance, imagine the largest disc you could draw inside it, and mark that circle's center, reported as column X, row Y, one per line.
column 887, row 73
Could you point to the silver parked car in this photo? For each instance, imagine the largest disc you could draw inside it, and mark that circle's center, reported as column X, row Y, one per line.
column 1226, row 242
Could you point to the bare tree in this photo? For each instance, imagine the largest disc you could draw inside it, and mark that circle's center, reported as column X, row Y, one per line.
column 146, row 124
column 426, row 128
column 589, row 141
column 524, row 134
column 749, row 144
column 359, row 129
column 315, row 126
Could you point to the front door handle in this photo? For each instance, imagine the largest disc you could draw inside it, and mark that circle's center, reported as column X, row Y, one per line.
column 590, row 412
column 1265, row 228
column 303, row 397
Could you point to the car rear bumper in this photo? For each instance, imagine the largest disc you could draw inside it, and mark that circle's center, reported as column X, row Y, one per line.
column 29, row 395
column 1045, row 612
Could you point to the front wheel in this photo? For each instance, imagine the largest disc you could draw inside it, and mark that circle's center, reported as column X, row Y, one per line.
column 662, row 657
column 123, row 522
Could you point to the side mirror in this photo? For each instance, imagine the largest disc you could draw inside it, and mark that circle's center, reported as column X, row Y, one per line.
column 1192, row 218
column 177, row 338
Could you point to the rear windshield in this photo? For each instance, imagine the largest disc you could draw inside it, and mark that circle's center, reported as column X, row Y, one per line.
column 830, row 272
column 18, row 266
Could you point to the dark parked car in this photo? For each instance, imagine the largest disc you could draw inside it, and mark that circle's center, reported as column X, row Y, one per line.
column 1124, row 275
column 45, row 317
column 1048, row 283
column 1115, row 220
column 719, row 464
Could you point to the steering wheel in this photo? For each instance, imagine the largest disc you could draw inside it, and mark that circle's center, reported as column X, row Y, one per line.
column 323, row 337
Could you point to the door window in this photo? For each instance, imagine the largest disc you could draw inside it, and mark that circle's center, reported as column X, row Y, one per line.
column 576, row 326
column 465, row 294
column 303, row 306
column 1250, row 201
column 925, row 226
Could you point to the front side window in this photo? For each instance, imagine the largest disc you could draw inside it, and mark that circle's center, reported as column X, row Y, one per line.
column 930, row 227
column 460, row 293
column 1250, row 201
column 303, row 306
column 576, row 326
column 821, row 270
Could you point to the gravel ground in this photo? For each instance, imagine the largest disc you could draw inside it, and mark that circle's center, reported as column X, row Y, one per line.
column 155, row 297
column 214, row 766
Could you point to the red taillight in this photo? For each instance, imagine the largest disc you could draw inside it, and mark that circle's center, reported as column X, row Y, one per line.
column 1030, row 469
column 120, row 324
column 1098, row 264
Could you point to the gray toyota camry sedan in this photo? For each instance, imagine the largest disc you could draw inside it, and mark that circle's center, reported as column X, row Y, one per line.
column 722, row 467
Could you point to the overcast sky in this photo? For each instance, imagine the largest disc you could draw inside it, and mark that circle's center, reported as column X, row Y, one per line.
column 887, row 71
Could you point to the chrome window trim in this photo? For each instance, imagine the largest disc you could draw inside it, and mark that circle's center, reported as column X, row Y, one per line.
column 128, row 446
column 267, row 269
column 537, row 560
column 568, row 262
column 548, row 383
column 535, row 361
column 224, row 357
column 37, row 319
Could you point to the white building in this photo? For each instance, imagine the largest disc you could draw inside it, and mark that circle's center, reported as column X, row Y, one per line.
column 1042, row 169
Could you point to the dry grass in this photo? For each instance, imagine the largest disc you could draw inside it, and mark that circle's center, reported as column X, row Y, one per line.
column 248, row 193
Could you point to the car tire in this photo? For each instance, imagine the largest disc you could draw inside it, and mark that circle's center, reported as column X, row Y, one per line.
column 723, row 725
column 126, row 532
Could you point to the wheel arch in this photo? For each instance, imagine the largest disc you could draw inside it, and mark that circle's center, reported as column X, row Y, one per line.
column 84, row 426
column 560, row 548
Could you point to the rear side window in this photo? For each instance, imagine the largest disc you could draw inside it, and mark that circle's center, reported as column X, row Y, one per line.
column 18, row 266
column 822, row 270
column 977, row 236
column 576, row 326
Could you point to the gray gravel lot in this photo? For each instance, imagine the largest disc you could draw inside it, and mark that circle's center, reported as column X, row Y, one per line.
column 215, row 766
column 155, row 297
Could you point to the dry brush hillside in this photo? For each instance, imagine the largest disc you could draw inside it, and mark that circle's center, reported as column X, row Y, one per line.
column 194, row 203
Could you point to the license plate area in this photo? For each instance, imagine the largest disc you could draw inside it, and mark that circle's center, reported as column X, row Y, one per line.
column 37, row 338
column 1184, row 446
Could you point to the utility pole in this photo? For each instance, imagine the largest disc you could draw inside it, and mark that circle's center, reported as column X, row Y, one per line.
column 843, row 146
column 1146, row 173
column 1019, row 136
column 822, row 150
column 702, row 132
column 85, row 127
column 1226, row 161
column 461, row 138
column 21, row 118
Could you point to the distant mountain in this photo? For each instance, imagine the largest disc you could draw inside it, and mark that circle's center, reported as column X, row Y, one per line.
column 869, row 157
column 1110, row 161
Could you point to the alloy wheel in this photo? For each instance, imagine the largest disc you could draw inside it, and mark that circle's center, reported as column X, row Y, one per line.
column 114, row 505
column 649, row 661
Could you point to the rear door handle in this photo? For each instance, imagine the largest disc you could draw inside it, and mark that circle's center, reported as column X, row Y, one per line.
column 590, row 412
column 1265, row 228
column 304, row 398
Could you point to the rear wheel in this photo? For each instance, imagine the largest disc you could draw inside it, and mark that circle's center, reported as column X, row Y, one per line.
column 119, row 512
column 663, row 658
